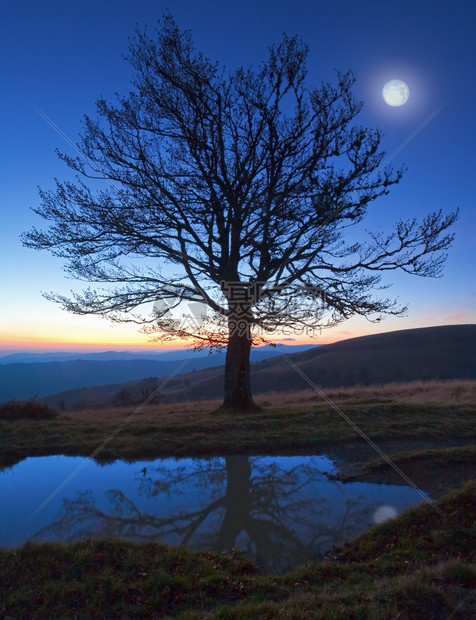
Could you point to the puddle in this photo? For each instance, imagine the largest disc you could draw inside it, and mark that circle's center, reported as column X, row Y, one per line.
column 282, row 510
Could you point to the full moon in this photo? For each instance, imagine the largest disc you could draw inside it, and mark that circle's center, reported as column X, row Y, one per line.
column 395, row 93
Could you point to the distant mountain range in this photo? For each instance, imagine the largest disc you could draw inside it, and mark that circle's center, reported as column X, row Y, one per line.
column 27, row 375
column 447, row 352
column 105, row 356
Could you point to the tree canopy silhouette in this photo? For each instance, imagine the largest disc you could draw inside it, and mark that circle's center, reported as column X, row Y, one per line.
column 233, row 190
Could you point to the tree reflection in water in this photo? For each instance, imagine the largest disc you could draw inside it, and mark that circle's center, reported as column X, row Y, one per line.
column 248, row 502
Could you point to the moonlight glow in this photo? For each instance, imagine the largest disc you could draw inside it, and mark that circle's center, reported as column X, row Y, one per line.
column 395, row 93
column 384, row 513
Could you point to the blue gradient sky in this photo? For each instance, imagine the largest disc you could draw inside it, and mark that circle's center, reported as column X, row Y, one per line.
column 62, row 55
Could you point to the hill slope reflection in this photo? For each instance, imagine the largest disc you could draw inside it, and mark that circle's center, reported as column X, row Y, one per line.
column 282, row 510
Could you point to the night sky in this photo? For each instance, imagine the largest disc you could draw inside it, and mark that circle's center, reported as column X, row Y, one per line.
column 61, row 56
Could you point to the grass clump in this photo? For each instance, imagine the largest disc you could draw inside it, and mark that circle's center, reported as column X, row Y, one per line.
column 26, row 410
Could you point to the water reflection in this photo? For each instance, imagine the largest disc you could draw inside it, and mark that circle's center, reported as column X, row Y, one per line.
column 282, row 510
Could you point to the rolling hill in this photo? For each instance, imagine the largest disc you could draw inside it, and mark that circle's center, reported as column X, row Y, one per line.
column 24, row 377
column 447, row 352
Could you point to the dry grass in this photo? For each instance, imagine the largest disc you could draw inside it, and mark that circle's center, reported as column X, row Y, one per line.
column 441, row 393
column 413, row 416
column 176, row 412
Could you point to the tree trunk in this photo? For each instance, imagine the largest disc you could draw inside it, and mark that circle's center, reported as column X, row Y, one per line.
column 237, row 368
column 237, row 502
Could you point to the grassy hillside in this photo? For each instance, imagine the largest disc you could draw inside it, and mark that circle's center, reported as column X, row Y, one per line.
column 403, row 419
column 432, row 353
column 420, row 565
column 418, row 354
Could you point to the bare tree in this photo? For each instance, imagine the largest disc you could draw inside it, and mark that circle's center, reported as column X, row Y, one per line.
column 238, row 190
column 123, row 397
